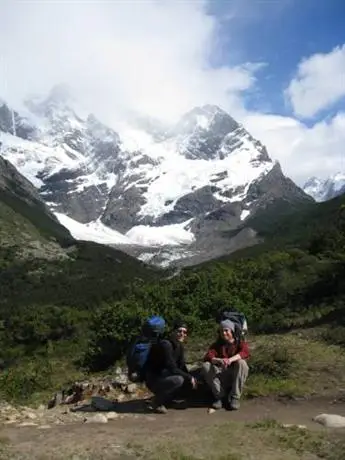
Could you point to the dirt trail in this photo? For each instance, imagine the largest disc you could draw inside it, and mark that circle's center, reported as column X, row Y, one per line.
column 142, row 428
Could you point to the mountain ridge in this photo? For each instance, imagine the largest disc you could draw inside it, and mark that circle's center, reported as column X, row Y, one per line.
column 186, row 182
column 325, row 189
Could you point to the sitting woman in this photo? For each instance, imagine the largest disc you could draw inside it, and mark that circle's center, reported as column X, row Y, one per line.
column 225, row 369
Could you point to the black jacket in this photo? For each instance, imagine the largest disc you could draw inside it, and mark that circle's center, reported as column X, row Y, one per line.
column 168, row 355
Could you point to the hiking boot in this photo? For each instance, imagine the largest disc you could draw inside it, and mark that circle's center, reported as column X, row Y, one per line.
column 234, row 403
column 179, row 404
column 161, row 409
column 217, row 404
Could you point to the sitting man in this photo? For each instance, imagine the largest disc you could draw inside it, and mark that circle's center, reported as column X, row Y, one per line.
column 166, row 370
column 225, row 369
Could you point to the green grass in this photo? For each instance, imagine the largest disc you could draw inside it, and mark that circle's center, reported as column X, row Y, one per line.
column 264, row 440
column 294, row 364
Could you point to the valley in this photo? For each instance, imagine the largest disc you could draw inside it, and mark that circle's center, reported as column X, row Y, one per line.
column 83, row 263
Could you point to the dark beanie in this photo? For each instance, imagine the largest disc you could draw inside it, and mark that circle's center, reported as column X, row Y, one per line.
column 179, row 323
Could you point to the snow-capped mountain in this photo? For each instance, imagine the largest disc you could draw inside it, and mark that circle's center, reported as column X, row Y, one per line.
column 145, row 184
column 325, row 189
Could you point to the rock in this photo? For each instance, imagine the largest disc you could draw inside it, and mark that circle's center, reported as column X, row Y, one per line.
column 27, row 424
column 330, row 420
column 44, row 427
column 30, row 415
column 97, row 418
column 73, row 398
column 132, row 388
column 112, row 415
column 120, row 380
column 121, row 397
column 211, row 410
column 5, row 407
column 291, row 425
column 57, row 399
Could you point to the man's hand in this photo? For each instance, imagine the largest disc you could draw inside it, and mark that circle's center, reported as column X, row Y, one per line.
column 217, row 361
column 194, row 383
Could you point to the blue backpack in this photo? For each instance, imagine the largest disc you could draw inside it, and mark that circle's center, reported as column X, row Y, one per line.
column 139, row 351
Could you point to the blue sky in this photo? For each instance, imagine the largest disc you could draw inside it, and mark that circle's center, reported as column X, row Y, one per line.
column 279, row 34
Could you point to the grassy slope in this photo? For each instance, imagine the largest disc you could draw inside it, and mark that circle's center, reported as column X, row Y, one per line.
column 279, row 227
column 50, row 282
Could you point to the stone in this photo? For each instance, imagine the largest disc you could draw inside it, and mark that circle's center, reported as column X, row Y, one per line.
column 120, row 397
column 132, row 388
column 56, row 400
column 330, row 420
column 211, row 410
column 30, row 415
column 291, row 425
column 121, row 379
column 97, row 418
column 112, row 415
column 27, row 424
column 44, row 427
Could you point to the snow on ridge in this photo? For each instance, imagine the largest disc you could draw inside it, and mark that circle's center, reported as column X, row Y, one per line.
column 141, row 235
column 172, row 235
column 244, row 214
column 324, row 189
column 338, row 181
column 93, row 231
column 31, row 158
column 177, row 176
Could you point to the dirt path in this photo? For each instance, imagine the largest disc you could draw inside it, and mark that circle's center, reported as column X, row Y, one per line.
column 130, row 429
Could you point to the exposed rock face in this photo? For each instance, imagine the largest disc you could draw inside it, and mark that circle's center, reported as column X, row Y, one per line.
column 201, row 177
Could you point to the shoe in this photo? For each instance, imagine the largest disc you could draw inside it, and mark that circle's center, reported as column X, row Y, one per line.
column 179, row 404
column 160, row 409
column 234, row 403
column 217, row 404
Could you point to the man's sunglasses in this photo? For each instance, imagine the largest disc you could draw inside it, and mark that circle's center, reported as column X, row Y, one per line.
column 182, row 331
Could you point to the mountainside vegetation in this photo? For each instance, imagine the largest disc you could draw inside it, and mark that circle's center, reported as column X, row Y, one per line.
column 84, row 305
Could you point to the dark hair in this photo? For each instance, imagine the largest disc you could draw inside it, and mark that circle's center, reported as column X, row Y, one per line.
column 178, row 323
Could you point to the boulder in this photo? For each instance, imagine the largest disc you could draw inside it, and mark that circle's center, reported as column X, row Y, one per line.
column 132, row 388
column 96, row 418
column 330, row 420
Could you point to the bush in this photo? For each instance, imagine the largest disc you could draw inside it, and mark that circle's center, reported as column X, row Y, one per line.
column 274, row 361
column 19, row 383
column 112, row 328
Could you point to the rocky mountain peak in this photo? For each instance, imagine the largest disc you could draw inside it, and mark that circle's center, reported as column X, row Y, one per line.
column 325, row 189
column 59, row 98
column 178, row 185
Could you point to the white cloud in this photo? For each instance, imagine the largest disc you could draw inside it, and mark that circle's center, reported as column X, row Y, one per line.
column 154, row 57
column 319, row 83
column 302, row 151
column 150, row 56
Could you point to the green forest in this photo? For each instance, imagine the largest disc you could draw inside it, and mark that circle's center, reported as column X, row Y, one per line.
column 90, row 305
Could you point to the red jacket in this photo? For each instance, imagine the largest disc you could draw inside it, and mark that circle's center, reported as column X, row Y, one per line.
column 223, row 350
